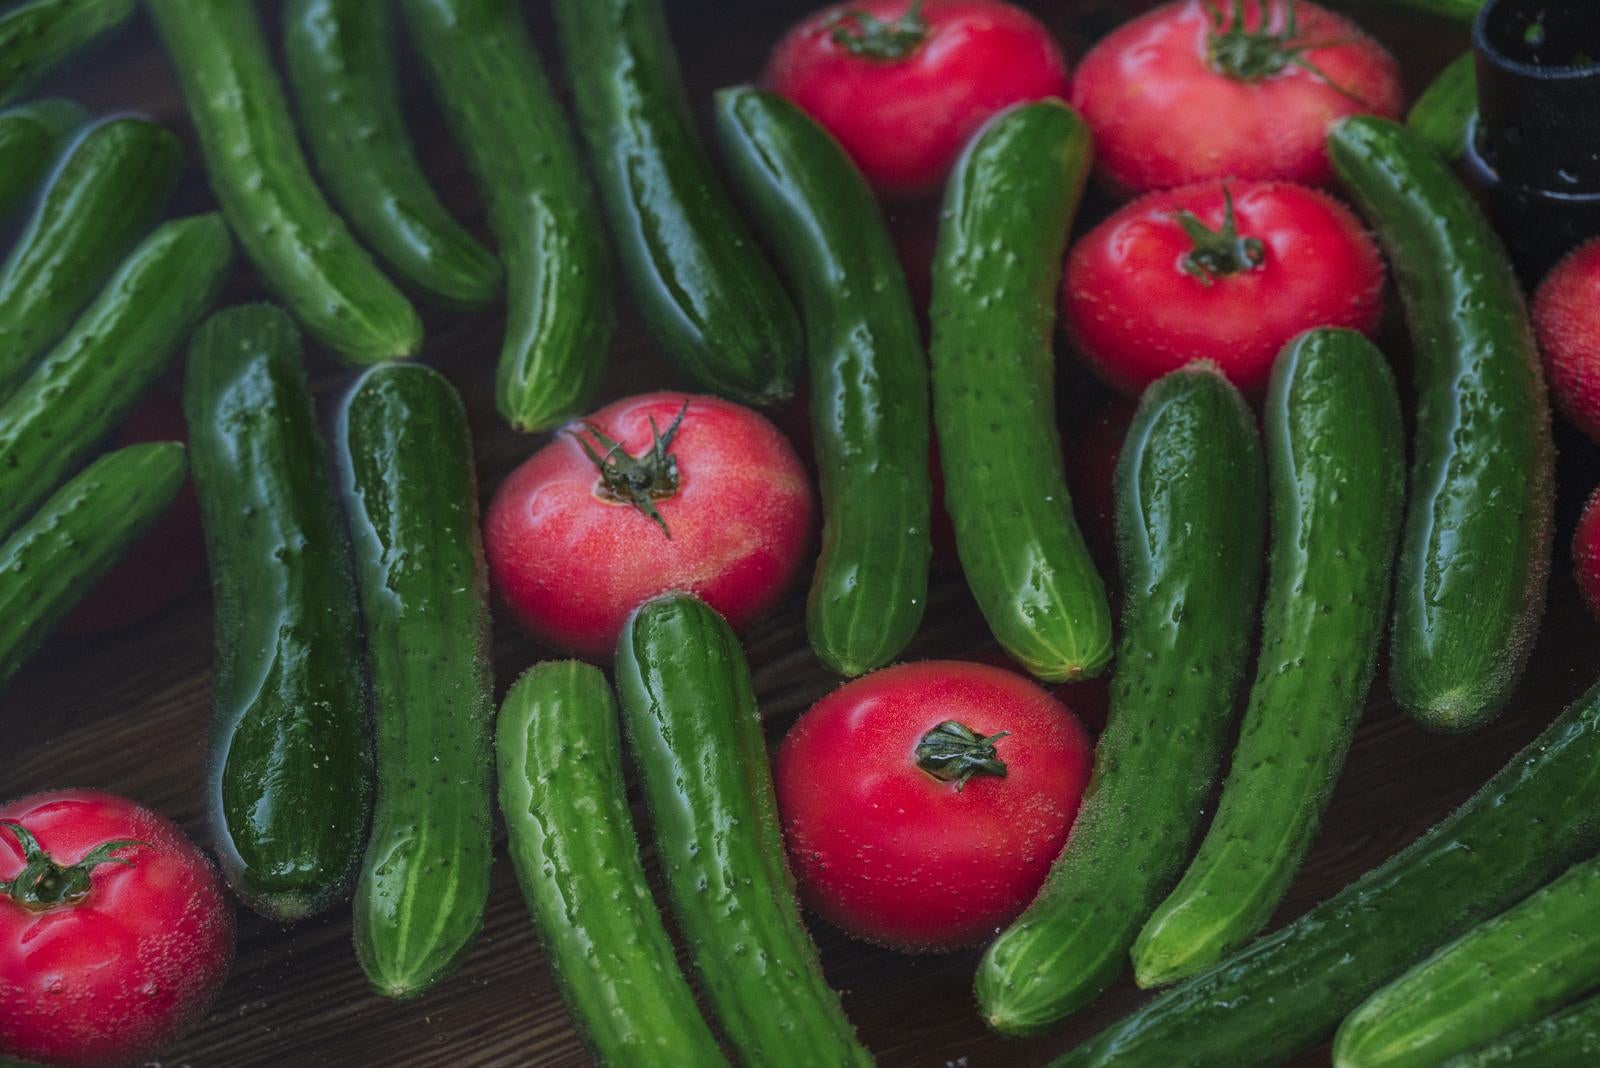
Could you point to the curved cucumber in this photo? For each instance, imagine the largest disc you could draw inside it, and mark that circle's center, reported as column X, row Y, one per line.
column 80, row 532
column 117, row 348
column 1569, row 1039
column 266, row 190
column 558, row 288
column 869, row 378
column 341, row 67
column 1336, row 472
column 1189, row 510
column 1475, row 553
column 291, row 759
column 31, row 137
column 412, row 502
column 36, row 36
column 695, row 733
column 1007, row 211
column 1444, row 113
column 565, row 804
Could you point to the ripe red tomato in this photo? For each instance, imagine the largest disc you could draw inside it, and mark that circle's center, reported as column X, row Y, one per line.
column 923, row 804
column 903, row 83
column 1221, row 271
column 115, row 933
column 1566, row 315
column 1586, row 554
column 1218, row 88
column 663, row 491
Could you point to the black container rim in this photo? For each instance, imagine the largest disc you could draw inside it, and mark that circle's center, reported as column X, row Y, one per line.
column 1486, row 48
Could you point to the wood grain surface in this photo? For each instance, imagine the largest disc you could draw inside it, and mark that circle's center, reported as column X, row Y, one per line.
column 128, row 713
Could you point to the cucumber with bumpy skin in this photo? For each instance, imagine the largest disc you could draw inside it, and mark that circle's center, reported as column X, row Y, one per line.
column 35, row 37
column 31, row 137
column 1569, row 1039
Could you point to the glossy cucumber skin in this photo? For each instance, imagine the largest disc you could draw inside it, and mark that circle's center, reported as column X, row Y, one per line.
column 869, row 378
column 36, row 36
column 111, row 185
column 117, row 348
column 261, row 179
column 412, row 504
column 1336, row 485
column 564, row 799
column 996, row 277
column 31, row 137
column 341, row 67
column 558, row 291
column 1475, row 552
column 290, row 763
column 1569, row 1039
column 692, row 725
column 1462, row 11
column 1190, row 504
column 56, row 557
column 1444, row 113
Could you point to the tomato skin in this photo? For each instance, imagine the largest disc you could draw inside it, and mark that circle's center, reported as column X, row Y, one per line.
column 905, row 120
column 571, row 565
column 1566, row 317
column 119, row 974
column 1162, row 116
column 1135, row 313
column 889, row 853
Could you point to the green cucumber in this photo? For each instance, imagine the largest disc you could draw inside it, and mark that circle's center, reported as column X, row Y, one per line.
column 31, row 137
column 117, row 348
column 703, row 285
column 1336, row 472
column 1007, row 211
column 412, row 503
column 1569, row 1039
column 869, row 377
column 260, row 177
column 1475, row 553
column 113, row 182
column 692, row 724
column 1444, row 113
column 1462, row 11
column 35, row 37
column 1190, row 503
column 565, row 804
column 75, row 537
column 291, row 759
column 341, row 67
column 558, row 290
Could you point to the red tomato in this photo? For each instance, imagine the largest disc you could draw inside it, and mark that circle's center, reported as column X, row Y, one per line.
column 1566, row 315
column 115, row 934
column 718, row 506
column 886, row 840
column 1586, row 554
column 1192, row 91
column 1169, row 279
column 902, row 84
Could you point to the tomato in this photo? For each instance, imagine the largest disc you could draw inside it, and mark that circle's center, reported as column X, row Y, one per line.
column 1202, row 89
column 1566, row 316
column 1586, row 554
column 923, row 804
column 1220, row 271
column 904, row 84
column 664, row 491
column 115, row 933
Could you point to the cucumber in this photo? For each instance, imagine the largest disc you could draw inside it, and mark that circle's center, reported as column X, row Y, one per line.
column 869, row 378
column 565, row 805
column 36, row 37
column 31, row 137
column 558, row 290
column 1475, row 552
column 412, row 503
column 1462, row 11
column 705, row 289
column 117, row 348
column 691, row 720
column 996, row 275
column 1336, row 472
column 260, row 177
column 1443, row 115
column 1569, row 1039
column 290, row 768
column 81, row 531
column 113, row 182
column 342, row 70
column 1190, row 516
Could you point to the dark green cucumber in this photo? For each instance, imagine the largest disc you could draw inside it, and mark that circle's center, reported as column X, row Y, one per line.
column 1475, row 554
column 1462, row 11
column 1190, row 516
column 56, row 557
column 558, row 290
column 1007, row 211
column 412, row 503
column 37, row 36
column 1444, row 113
column 869, row 377
column 1569, row 1039
column 31, row 137
column 565, row 805
column 291, row 759
column 692, row 724
column 1336, row 458
column 342, row 70
column 117, row 348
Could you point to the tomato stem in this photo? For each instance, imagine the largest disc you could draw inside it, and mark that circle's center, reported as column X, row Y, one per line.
column 43, row 884
column 863, row 34
column 1251, row 55
column 637, row 480
column 954, row 752
column 1221, row 252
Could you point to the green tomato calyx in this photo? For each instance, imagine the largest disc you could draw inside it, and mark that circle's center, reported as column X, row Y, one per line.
column 44, row 884
column 863, row 34
column 1221, row 252
column 954, row 752
column 637, row 480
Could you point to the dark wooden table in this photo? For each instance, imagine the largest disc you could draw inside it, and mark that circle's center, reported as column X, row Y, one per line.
column 128, row 713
